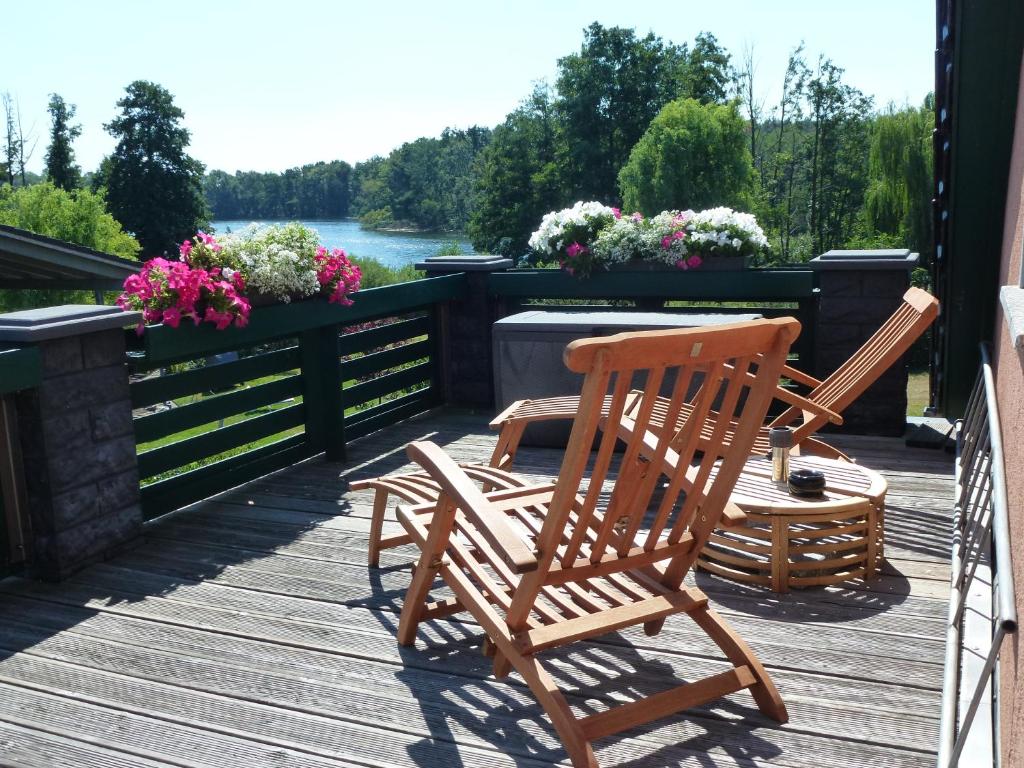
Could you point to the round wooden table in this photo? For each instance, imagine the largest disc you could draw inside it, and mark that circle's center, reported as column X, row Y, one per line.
column 791, row 541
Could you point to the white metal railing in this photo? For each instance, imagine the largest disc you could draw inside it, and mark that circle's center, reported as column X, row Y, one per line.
column 981, row 609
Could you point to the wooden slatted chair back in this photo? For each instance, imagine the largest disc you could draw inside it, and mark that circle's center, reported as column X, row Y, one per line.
column 893, row 338
column 583, row 535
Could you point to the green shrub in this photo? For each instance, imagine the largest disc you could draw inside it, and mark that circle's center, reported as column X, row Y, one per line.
column 376, row 274
column 377, row 219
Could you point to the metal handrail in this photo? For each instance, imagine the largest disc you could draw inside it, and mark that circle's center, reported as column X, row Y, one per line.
column 980, row 534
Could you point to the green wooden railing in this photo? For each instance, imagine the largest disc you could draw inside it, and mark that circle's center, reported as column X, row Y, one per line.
column 307, row 377
column 769, row 292
column 19, row 369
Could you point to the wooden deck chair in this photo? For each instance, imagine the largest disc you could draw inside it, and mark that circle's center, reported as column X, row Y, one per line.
column 806, row 415
column 542, row 565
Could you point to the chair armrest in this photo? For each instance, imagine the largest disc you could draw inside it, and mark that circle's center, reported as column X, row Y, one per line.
column 799, row 376
column 499, row 421
column 805, row 404
column 492, row 523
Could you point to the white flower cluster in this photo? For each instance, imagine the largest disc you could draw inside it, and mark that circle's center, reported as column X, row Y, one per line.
column 276, row 260
column 742, row 227
column 559, row 229
column 624, row 240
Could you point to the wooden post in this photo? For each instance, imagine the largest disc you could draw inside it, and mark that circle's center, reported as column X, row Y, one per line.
column 321, row 386
column 468, row 369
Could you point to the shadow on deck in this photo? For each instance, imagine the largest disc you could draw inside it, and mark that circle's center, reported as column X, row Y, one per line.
column 247, row 631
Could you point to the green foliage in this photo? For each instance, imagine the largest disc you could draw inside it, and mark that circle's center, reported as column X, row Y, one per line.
column 839, row 121
column 557, row 148
column 376, row 274
column 693, row 155
column 370, row 185
column 898, row 196
column 79, row 216
column 426, row 184
column 315, row 191
column 517, row 178
column 450, row 248
column 60, row 156
column 708, row 73
column 378, row 218
column 811, row 156
column 153, row 187
column 608, row 93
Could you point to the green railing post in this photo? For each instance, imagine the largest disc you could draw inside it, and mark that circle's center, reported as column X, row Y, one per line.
column 321, row 386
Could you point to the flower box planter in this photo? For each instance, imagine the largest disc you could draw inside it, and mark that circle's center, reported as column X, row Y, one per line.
column 709, row 264
column 161, row 344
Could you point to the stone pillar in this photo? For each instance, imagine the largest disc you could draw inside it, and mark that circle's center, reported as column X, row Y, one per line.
column 468, row 368
column 858, row 292
column 76, row 436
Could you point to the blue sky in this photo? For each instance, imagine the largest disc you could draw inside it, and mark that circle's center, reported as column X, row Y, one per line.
column 271, row 85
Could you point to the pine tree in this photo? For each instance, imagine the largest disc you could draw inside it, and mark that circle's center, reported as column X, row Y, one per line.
column 153, row 187
column 60, row 156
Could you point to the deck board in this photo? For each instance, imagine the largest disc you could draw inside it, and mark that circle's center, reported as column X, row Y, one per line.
column 248, row 631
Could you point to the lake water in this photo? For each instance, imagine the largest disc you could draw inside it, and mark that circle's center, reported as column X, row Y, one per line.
column 392, row 248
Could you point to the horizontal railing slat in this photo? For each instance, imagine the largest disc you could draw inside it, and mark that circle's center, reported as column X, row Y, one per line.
column 391, row 412
column 165, row 345
column 385, row 385
column 388, row 358
column 149, row 428
column 159, row 389
column 174, row 492
column 750, row 285
column 217, row 441
column 382, row 335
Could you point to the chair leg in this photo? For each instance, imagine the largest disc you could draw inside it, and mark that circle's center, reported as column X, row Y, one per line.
column 557, row 708
column 502, row 665
column 508, row 442
column 380, row 505
column 415, row 598
column 739, row 653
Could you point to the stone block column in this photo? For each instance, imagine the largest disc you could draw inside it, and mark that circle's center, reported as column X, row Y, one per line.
column 859, row 290
column 468, row 368
column 77, row 443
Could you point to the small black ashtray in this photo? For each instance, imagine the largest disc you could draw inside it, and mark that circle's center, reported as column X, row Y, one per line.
column 806, row 482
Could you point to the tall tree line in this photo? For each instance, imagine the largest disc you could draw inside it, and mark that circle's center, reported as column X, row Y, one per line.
column 628, row 117
column 427, row 184
column 315, row 191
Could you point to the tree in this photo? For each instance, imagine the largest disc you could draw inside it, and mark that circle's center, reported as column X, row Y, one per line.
column 755, row 107
column 153, row 187
column 79, row 216
column 60, row 156
column 315, row 191
column 693, row 155
column 608, row 93
column 517, row 178
column 707, row 74
column 18, row 148
column 838, row 114
column 12, row 146
column 898, row 196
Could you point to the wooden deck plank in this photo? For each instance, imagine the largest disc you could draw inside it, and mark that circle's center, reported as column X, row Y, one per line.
column 247, row 630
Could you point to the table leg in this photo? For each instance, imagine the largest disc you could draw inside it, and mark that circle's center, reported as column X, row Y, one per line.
column 872, row 539
column 780, row 554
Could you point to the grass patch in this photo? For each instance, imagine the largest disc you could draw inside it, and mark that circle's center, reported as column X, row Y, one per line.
column 917, row 392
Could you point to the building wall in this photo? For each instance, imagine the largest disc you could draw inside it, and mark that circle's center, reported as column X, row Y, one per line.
column 1009, row 374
